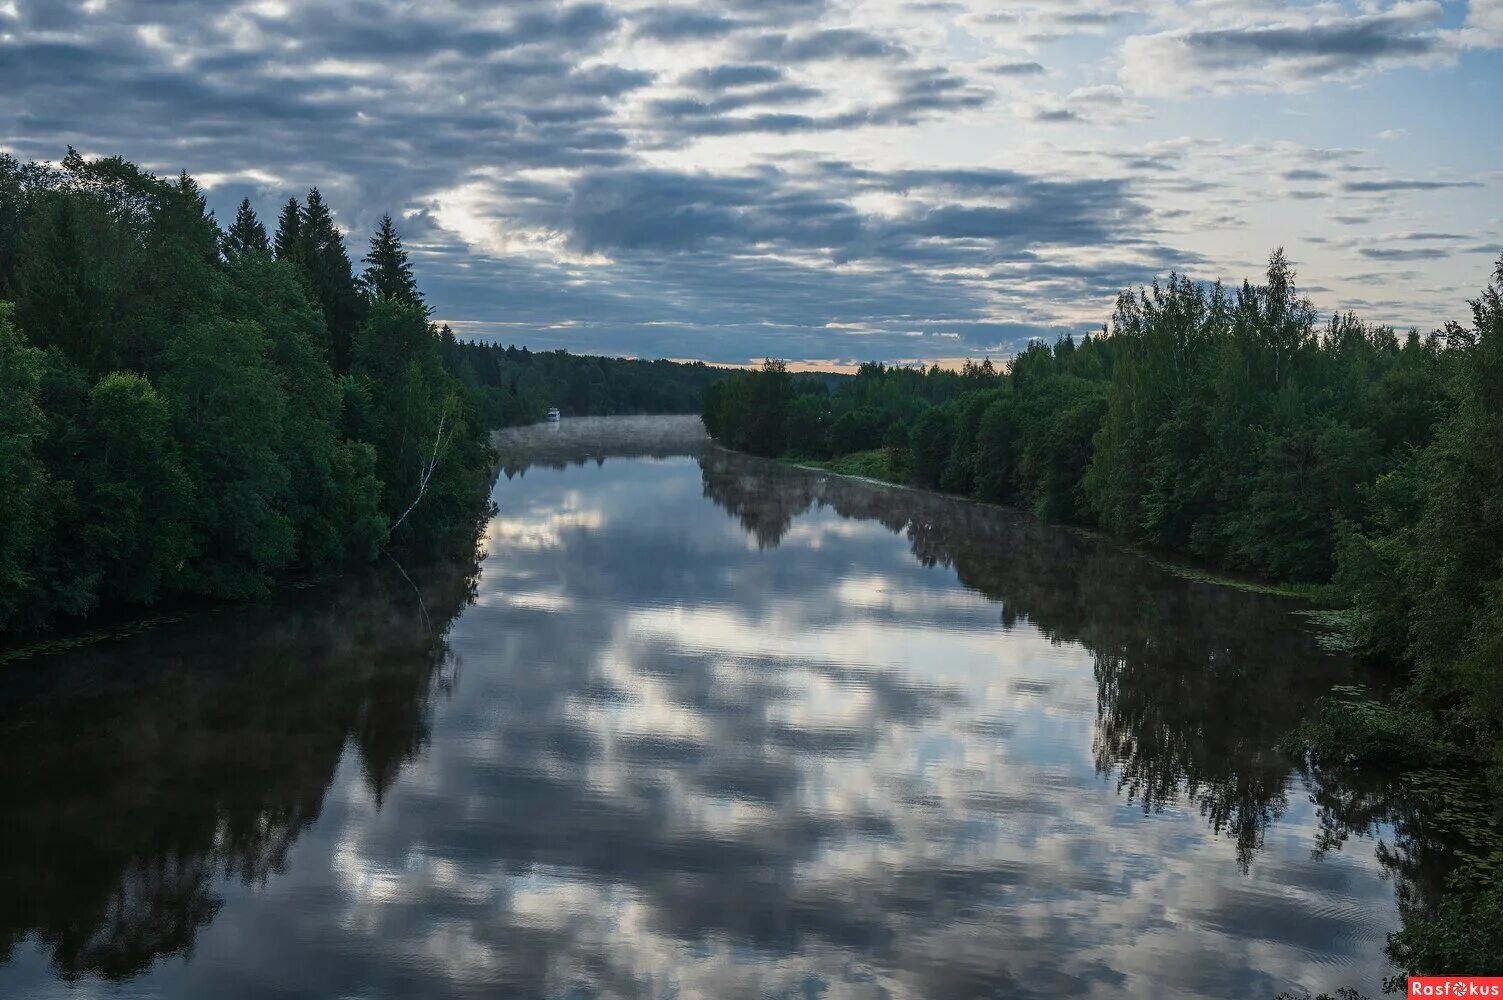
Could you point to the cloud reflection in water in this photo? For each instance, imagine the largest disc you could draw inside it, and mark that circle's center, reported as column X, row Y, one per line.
column 898, row 745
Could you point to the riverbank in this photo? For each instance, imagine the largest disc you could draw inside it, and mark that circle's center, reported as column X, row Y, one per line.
column 1392, row 734
column 116, row 623
column 683, row 676
column 879, row 466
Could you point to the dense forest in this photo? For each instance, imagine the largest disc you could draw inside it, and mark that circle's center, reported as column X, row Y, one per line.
column 517, row 386
column 1232, row 427
column 186, row 410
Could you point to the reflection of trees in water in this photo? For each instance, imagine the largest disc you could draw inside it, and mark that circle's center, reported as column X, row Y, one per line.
column 579, row 440
column 1195, row 683
column 752, row 492
column 1420, row 825
column 1174, row 729
column 140, row 773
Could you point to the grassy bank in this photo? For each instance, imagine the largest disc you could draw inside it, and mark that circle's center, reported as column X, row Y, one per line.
column 886, row 465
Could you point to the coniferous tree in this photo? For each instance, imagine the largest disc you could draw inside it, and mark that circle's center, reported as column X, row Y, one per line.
column 115, row 259
column 170, row 420
column 289, row 239
column 67, row 280
column 193, row 198
column 325, row 486
column 20, row 184
column 187, row 227
column 331, row 278
column 388, row 274
column 429, row 434
column 246, row 235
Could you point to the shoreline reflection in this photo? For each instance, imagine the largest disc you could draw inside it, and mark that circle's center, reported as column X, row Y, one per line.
column 723, row 728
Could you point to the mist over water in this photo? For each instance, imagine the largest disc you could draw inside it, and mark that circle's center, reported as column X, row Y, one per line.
column 697, row 724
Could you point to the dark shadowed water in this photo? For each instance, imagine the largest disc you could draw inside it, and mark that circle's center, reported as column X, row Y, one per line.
column 696, row 725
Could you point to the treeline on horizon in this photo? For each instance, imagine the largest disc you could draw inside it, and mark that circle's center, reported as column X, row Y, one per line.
column 186, row 410
column 1233, row 427
column 517, row 386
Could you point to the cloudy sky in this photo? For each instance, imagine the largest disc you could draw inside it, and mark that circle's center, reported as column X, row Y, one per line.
column 826, row 180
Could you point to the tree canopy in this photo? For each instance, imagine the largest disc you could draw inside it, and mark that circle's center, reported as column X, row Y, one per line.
column 388, row 273
column 190, row 411
column 1232, row 427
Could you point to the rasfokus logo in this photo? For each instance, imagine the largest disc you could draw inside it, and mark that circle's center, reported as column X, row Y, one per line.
column 1456, row 986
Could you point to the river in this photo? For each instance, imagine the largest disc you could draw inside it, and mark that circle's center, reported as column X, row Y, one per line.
column 693, row 724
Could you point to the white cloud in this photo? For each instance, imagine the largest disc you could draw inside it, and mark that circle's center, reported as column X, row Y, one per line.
column 482, row 129
column 1290, row 52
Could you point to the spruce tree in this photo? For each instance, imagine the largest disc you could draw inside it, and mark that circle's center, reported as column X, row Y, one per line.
column 388, row 274
column 330, row 277
column 191, row 221
column 246, row 235
column 289, row 239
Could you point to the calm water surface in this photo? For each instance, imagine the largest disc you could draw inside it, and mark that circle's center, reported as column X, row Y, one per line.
column 695, row 725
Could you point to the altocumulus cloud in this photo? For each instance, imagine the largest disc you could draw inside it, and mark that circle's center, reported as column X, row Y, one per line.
column 736, row 178
column 1296, row 49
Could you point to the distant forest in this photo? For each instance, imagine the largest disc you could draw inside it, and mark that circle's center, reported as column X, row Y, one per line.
column 1232, row 427
column 190, row 410
column 517, row 386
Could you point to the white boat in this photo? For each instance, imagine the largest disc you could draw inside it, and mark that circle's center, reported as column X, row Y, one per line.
column 553, row 415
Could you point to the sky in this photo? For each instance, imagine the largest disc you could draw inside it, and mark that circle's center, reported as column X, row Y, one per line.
column 827, row 181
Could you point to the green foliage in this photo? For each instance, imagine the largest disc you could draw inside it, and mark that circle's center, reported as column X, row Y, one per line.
column 432, row 447
column 879, row 463
column 112, row 259
column 24, row 483
column 807, row 425
column 322, row 468
column 1225, row 426
column 170, row 420
column 1235, row 433
column 1228, row 427
column 316, row 247
column 929, row 442
column 1350, row 727
column 355, row 501
column 1304, row 481
column 229, row 412
column 288, row 245
column 1020, row 438
column 1465, row 935
column 1424, row 570
column 749, row 410
column 20, row 183
column 246, row 235
column 857, row 430
column 957, row 474
column 388, row 272
column 1055, row 420
column 771, row 392
column 136, row 494
column 516, row 386
column 71, row 278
